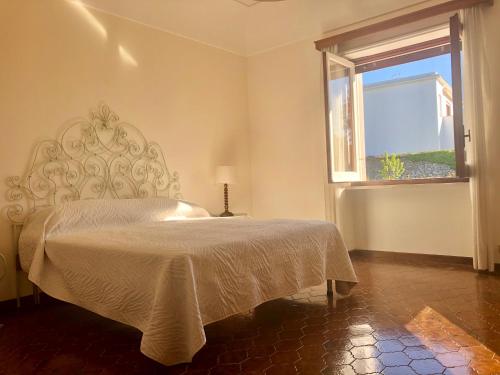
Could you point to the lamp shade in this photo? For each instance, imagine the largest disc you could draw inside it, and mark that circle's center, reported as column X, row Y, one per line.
column 225, row 174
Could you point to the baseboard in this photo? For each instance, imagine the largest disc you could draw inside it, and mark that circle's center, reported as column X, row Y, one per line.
column 445, row 259
column 416, row 257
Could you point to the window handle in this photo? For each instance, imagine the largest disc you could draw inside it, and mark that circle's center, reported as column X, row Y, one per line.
column 467, row 136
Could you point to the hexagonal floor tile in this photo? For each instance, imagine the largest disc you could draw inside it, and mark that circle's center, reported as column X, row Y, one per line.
column 411, row 341
column 367, row 366
column 362, row 340
column 368, row 351
column 394, row 359
column 285, row 357
column 360, row 329
column 460, row 371
column 416, row 352
column 338, row 370
column 281, row 369
column 389, row 346
column 343, row 357
column 400, row 370
column 452, row 359
column 427, row 366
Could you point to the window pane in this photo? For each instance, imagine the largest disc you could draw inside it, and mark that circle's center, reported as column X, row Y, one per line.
column 341, row 118
column 409, row 120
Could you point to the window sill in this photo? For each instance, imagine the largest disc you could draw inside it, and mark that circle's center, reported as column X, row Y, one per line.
column 420, row 181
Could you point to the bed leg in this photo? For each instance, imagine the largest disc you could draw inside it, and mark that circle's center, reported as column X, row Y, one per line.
column 329, row 288
column 15, row 245
column 18, row 293
column 36, row 294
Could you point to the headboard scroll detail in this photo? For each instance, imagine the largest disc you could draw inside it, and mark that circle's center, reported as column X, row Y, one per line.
column 95, row 158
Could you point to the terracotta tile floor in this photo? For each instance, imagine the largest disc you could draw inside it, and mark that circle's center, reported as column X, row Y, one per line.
column 402, row 318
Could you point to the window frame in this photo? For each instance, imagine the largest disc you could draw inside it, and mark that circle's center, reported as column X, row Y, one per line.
column 418, row 51
column 457, row 95
column 357, row 131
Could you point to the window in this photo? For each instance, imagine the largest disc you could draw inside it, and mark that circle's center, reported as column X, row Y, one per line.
column 396, row 114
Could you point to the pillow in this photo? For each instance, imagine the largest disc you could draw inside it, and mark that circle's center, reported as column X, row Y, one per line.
column 86, row 215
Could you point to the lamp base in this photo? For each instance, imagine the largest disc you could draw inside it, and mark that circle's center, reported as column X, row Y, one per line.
column 226, row 214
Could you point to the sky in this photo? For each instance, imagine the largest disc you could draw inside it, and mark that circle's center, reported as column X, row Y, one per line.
column 439, row 64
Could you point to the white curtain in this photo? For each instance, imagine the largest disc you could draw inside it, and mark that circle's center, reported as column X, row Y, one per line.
column 477, row 118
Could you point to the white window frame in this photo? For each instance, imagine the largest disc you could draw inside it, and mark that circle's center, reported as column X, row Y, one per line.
column 358, row 122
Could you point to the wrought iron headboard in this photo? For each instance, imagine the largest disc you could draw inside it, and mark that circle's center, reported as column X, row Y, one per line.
column 95, row 158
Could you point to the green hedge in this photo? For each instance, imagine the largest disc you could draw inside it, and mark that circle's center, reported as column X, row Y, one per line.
column 438, row 157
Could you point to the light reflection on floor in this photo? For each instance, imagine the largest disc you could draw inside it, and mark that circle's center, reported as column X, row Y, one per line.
column 454, row 347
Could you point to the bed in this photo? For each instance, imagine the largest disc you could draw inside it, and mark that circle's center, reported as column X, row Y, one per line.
column 160, row 264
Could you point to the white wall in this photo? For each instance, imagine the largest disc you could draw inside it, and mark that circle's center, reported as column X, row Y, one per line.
column 401, row 117
column 422, row 219
column 287, row 133
column 58, row 61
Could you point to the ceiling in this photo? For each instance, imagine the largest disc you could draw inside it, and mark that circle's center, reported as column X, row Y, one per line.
column 247, row 27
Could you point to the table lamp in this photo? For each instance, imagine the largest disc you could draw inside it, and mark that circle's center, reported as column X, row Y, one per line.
column 225, row 174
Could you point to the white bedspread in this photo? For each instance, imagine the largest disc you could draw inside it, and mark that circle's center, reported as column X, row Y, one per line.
column 168, row 269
